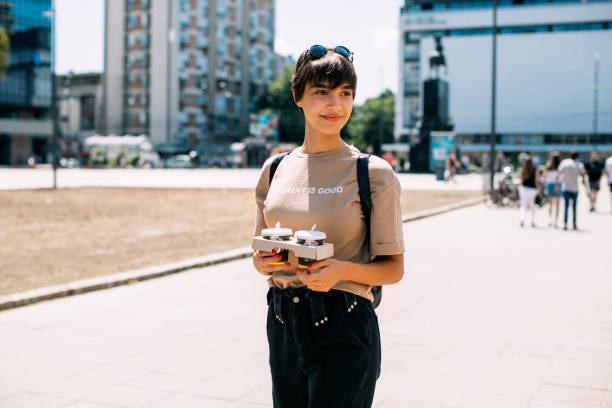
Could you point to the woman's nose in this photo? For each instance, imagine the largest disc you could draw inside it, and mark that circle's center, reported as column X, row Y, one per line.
column 334, row 100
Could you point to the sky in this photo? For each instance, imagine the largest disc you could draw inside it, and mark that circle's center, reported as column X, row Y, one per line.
column 368, row 28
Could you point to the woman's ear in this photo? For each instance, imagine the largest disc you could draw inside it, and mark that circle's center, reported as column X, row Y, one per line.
column 298, row 103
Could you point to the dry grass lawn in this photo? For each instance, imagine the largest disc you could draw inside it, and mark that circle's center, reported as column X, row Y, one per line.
column 50, row 237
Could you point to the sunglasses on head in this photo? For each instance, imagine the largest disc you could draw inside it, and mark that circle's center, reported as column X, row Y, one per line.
column 318, row 51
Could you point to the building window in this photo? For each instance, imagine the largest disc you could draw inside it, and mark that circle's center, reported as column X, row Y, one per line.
column 88, row 112
column 193, row 140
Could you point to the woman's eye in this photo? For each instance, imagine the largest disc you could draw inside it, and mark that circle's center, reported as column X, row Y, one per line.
column 319, row 92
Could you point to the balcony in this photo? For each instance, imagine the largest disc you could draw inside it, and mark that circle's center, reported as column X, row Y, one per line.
column 138, row 22
column 133, row 5
column 194, row 43
column 137, row 81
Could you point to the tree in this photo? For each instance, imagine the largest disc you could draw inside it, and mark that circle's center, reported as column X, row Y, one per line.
column 5, row 48
column 278, row 100
column 372, row 123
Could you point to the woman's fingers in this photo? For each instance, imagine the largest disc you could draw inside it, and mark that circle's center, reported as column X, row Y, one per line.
column 265, row 261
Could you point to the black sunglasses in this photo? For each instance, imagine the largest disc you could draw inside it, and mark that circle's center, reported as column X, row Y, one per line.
column 318, row 51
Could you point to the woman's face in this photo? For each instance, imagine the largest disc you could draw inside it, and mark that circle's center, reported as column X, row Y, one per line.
column 327, row 110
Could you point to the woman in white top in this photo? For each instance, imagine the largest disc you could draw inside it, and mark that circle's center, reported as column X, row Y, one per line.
column 608, row 169
column 553, row 190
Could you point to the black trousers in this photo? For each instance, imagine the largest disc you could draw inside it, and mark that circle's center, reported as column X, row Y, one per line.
column 321, row 354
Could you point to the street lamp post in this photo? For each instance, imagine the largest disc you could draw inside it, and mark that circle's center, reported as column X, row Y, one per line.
column 54, row 135
column 493, row 97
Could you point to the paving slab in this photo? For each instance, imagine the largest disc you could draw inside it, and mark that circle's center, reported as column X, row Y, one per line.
column 487, row 314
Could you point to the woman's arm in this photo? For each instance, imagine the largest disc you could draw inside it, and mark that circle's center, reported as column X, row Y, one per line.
column 325, row 274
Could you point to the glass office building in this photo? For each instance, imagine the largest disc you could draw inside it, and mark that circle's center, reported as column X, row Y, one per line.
column 25, row 81
column 554, row 72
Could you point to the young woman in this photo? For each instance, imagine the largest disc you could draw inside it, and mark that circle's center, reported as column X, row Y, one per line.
column 322, row 329
column 553, row 190
column 450, row 167
column 528, row 190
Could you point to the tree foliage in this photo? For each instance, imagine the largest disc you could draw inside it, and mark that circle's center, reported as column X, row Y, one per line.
column 372, row 123
column 5, row 48
column 278, row 99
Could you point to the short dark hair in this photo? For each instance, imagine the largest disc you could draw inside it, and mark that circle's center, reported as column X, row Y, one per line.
column 332, row 68
column 574, row 155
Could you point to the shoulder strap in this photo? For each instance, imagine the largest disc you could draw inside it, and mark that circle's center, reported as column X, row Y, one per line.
column 363, row 181
column 365, row 198
column 275, row 164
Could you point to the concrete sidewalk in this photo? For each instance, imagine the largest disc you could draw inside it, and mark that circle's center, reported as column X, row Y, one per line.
column 487, row 315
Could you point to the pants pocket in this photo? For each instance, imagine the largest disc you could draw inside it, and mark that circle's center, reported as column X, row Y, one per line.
column 359, row 321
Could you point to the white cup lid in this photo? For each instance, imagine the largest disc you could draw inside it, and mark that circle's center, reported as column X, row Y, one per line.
column 310, row 235
column 276, row 232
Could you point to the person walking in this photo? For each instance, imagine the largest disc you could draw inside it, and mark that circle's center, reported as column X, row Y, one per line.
column 450, row 166
column 552, row 187
column 594, row 169
column 608, row 170
column 323, row 334
column 569, row 171
column 528, row 190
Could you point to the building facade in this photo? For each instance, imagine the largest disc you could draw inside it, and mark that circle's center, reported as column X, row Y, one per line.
column 186, row 72
column 554, row 71
column 25, row 81
column 79, row 101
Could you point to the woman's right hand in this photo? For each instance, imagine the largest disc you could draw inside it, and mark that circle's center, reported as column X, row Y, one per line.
column 262, row 261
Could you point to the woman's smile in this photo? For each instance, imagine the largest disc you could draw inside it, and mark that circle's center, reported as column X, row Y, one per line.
column 332, row 118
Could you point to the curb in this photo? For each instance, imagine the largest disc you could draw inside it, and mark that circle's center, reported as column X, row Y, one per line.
column 127, row 278
column 443, row 209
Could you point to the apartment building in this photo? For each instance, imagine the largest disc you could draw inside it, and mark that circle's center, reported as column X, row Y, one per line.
column 186, row 72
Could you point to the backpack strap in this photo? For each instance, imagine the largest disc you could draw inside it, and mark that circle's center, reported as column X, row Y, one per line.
column 363, row 181
column 365, row 199
column 275, row 164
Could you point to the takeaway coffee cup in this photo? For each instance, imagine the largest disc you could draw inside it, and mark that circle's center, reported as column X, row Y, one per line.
column 309, row 238
column 278, row 234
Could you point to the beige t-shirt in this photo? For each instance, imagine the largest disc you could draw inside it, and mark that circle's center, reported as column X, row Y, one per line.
column 321, row 188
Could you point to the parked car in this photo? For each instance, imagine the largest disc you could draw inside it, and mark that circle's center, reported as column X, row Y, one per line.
column 181, row 161
column 69, row 162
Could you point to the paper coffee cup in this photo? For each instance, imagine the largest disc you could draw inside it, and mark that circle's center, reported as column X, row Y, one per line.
column 309, row 238
column 278, row 234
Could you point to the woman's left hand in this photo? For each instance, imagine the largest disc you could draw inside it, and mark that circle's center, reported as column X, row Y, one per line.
column 323, row 275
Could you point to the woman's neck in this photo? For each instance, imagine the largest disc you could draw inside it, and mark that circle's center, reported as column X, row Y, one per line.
column 317, row 142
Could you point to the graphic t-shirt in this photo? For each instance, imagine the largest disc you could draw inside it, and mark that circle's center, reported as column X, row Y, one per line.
column 321, row 188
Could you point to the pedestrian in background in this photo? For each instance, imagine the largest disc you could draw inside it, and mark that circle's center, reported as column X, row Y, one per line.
column 569, row 171
column 450, row 166
column 528, row 190
column 595, row 170
column 608, row 170
column 553, row 190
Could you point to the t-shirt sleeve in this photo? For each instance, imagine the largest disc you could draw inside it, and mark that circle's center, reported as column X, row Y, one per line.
column 261, row 191
column 386, row 235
